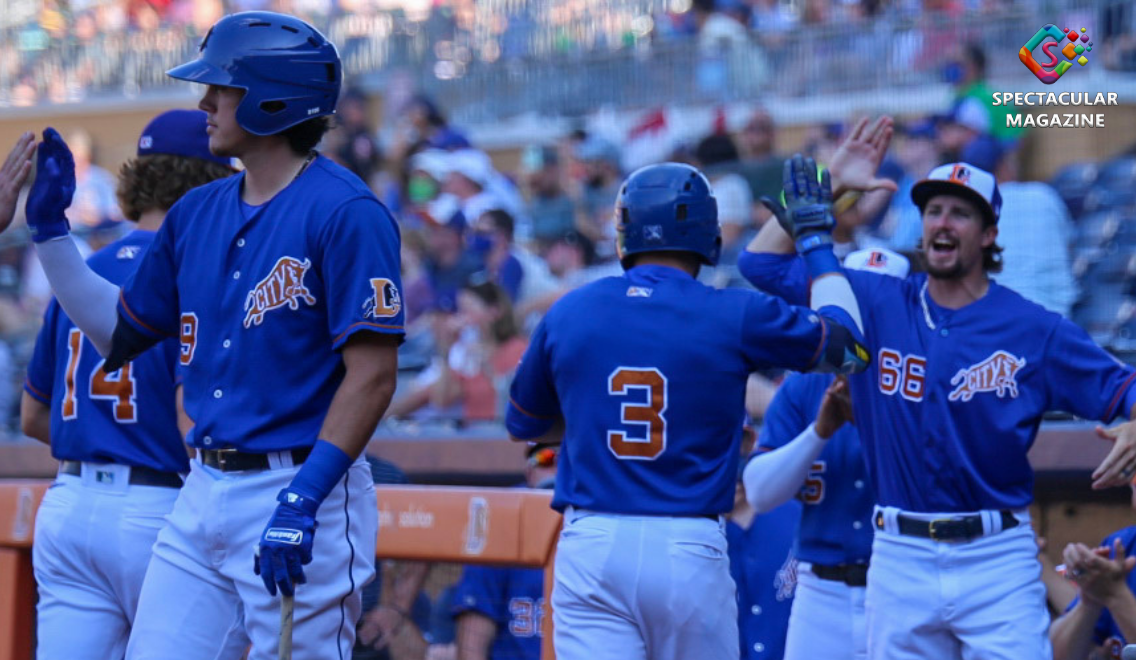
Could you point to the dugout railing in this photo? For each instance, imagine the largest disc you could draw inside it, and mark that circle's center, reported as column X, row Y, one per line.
column 425, row 523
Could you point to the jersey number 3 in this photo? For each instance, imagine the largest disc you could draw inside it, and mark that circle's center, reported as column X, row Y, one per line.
column 117, row 387
column 648, row 415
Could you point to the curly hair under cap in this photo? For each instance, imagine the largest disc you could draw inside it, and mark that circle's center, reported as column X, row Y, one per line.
column 155, row 182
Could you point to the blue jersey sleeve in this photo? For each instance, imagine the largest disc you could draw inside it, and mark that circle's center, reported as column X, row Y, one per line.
column 776, row 334
column 782, row 275
column 41, row 368
column 482, row 590
column 533, row 404
column 359, row 264
column 1083, row 378
column 785, row 418
column 149, row 297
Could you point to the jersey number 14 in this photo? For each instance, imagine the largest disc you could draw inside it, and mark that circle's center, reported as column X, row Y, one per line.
column 117, row 387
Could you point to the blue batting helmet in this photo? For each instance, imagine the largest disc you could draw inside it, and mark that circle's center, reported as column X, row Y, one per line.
column 289, row 71
column 668, row 208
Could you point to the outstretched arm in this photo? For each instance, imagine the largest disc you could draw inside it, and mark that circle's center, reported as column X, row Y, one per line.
column 776, row 476
column 87, row 298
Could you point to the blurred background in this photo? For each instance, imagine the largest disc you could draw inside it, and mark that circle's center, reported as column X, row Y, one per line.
column 498, row 131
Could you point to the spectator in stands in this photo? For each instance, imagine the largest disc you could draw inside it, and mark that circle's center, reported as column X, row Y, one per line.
column 430, row 126
column 448, row 264
column 521, row 274
column 478, row 349
column 968, row 73
column 967, row 121
column 757, row 140
column 1103, row 617
column 1035, row 232
column 764, row 569
column 917, row 152
column 358, row 150
column 500, row 610
column 716, row 155
column 94, row 201
column 594, row 194
column 550, row 210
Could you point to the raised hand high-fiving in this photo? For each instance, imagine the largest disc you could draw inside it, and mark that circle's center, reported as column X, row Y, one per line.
column 52, row 190
column 13, row 174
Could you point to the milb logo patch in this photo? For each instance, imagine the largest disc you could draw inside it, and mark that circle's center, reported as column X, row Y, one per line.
column 287, row 536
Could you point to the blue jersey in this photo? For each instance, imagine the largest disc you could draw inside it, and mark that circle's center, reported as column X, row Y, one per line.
column 953, row 399
column 514, row 599
column 262, row 304
column 764, row 568
column 648, row 371
column 836, row 524
column 1106, row 633
column 126, row 417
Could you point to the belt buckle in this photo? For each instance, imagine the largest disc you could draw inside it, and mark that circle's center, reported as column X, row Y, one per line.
column 221, row 454
column 933, row 523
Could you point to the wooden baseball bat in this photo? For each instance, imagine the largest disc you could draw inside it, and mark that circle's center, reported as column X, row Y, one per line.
column 287, row 604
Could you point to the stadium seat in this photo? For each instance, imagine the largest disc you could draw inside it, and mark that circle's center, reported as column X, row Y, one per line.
column 1073, row 182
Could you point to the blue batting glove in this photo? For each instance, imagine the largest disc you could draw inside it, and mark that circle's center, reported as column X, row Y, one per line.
column 807, row 213
column 52, row 190
column 286, row 544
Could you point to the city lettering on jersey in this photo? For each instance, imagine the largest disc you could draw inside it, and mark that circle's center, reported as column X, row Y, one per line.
column 996, row 373
column 283, row 286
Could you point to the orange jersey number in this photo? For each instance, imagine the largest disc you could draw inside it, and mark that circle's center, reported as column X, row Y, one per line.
column 117, row 387
column 648, row 415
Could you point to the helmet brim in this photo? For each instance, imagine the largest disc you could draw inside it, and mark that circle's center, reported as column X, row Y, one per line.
column 200, row 71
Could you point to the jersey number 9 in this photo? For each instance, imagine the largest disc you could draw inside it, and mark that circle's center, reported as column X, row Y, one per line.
column 647, row 415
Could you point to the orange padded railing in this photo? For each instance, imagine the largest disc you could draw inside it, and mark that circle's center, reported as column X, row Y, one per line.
column 442, row 524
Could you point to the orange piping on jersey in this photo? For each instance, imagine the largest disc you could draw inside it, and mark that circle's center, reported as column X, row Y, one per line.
column 122, row 299
column 366, row 324
column 527, row 413
column 36, row 390
column 1119, row 394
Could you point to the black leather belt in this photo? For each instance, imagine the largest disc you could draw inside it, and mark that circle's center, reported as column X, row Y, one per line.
column 956, row 528
column 853, row 575
column 139, row 476
column 231, row 460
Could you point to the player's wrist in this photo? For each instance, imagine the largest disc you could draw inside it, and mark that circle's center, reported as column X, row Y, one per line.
column 49, row 230
column 325, row 466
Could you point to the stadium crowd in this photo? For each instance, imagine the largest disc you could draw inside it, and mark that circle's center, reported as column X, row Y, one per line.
column 57, row 52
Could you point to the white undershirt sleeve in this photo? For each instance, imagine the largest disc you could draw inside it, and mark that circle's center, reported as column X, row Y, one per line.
column 88, row 299
column 774, row 477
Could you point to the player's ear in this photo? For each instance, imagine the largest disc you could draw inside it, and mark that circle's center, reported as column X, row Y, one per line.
column 989, row 235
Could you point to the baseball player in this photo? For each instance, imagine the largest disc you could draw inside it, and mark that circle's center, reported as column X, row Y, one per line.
column 115, row 434
column 1101, row 620
column 806, row 452
column 500, row 610
column 282, row 285
column 763, row 564
column 643, row 375
column 962, row 371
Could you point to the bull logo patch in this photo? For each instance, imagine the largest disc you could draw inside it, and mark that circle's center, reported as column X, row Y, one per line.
column 996, row 373
column 283, row 286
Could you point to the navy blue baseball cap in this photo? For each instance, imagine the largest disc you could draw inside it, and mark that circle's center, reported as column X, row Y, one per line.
column 179, row 133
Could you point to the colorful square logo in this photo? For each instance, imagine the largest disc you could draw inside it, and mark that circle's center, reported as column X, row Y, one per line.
column 1054, row 67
